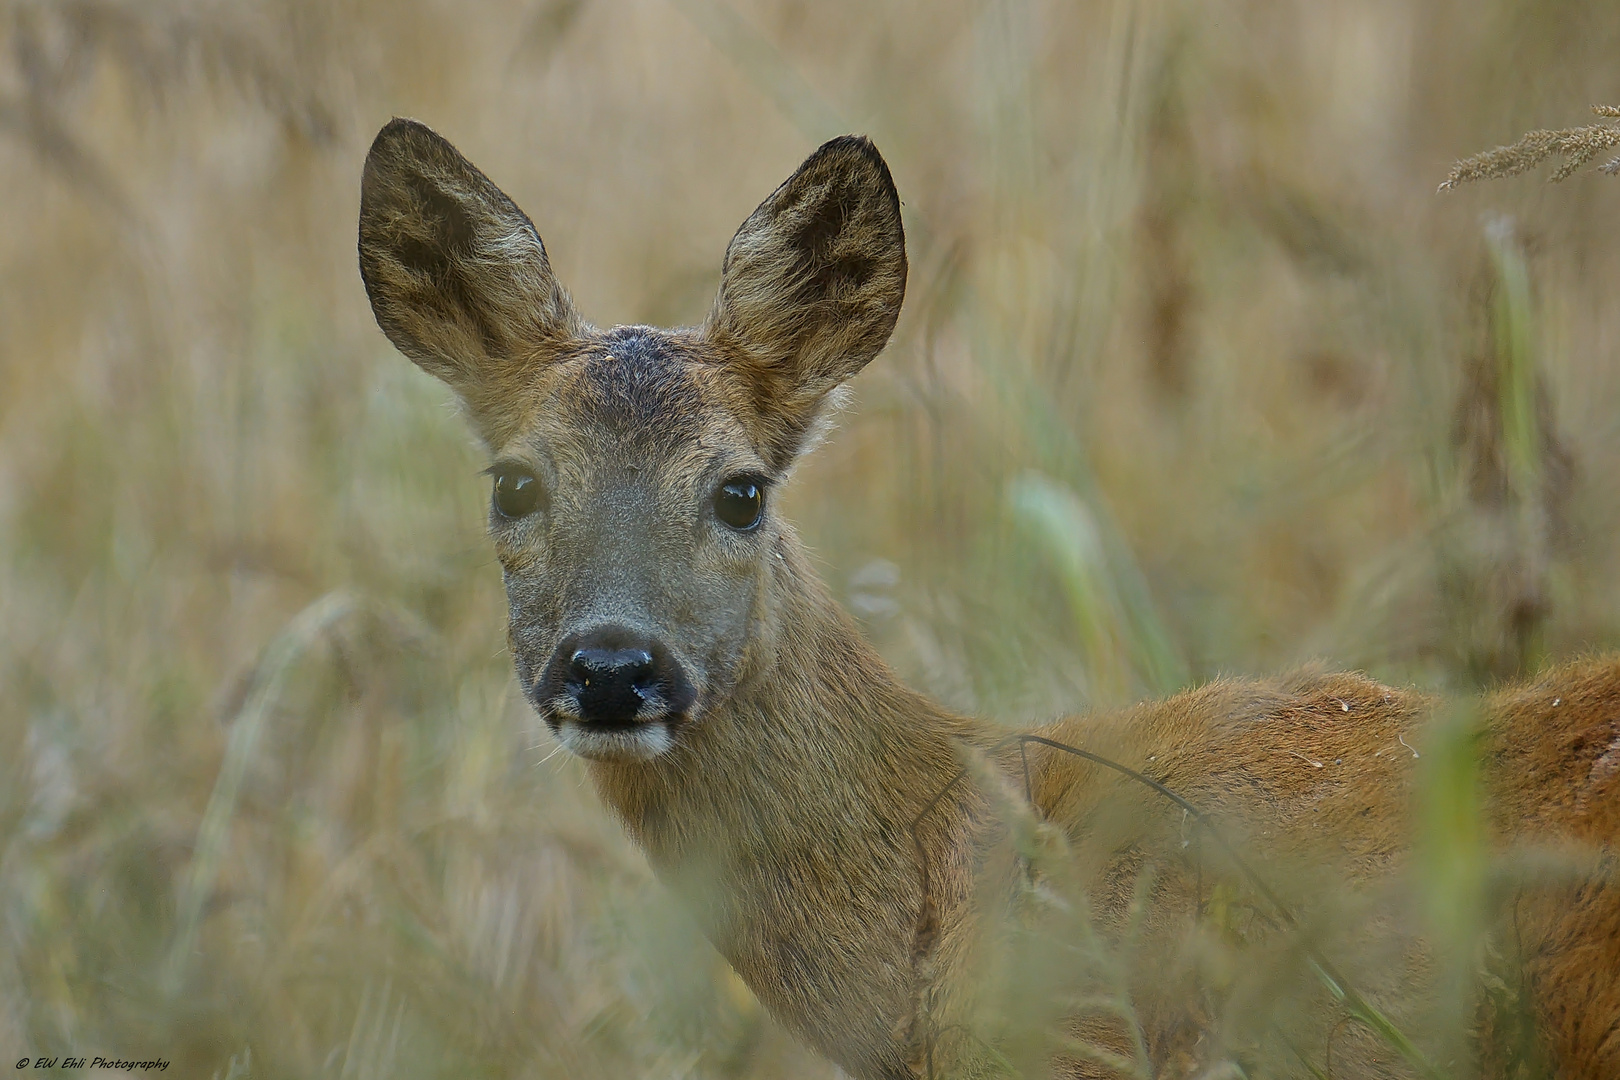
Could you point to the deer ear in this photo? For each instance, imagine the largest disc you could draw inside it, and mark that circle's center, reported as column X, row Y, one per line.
column 811, row 288
column 457, row 275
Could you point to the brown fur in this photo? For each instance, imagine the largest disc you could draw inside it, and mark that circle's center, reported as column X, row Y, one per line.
column 781, row 806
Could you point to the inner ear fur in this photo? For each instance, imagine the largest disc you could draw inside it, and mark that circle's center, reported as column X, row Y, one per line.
column 811, row 288
column 457, row 275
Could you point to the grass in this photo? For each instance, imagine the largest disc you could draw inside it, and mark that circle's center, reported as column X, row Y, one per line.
column 1196, row 375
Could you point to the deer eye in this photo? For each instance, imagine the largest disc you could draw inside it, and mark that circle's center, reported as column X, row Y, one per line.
column 517, row 493
column 740, row 502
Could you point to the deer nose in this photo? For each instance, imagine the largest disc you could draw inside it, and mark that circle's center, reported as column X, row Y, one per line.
column 611, row 684
column 617, row 676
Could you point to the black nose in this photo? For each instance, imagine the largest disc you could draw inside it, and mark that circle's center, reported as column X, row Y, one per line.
column 616, row 676
column 609, row 684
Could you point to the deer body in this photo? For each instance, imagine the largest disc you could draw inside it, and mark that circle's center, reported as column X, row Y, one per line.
column 836, row 832
column 1317, row 770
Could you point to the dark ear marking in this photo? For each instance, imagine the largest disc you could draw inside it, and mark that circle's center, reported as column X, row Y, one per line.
column 811, row 287
column 457, row 275
column 449, row 231
column 815, row 237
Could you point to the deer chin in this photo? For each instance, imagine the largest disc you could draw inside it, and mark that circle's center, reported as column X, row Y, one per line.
column 626, row 743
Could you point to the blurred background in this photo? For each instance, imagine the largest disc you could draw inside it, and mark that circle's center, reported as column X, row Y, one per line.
column 1197, row 374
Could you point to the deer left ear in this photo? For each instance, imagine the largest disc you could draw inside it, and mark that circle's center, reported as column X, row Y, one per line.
column 811, row 288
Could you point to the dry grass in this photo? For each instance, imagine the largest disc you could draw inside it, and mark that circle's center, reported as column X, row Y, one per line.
column 1196, row 375
column 1576, row 146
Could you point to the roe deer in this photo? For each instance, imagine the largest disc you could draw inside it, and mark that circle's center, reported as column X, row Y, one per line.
column 835, row 830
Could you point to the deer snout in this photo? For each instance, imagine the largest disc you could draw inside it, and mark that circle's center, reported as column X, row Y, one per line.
column 614, row 676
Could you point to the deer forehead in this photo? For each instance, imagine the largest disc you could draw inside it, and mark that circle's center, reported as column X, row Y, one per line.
column 644, row 400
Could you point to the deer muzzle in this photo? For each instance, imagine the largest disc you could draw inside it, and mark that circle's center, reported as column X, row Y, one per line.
column 613, row 692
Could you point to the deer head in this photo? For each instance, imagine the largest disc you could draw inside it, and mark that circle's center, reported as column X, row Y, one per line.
column 634, row 469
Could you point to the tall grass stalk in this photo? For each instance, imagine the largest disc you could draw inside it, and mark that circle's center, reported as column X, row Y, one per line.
column 1126, row 648
column 1453, row 863
column 268, row 680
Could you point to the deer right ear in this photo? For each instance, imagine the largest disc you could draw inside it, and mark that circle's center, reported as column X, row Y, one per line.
column 811, row 289
column 457, row 275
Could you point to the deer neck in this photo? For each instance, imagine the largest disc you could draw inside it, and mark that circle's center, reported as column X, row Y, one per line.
column 786, row 816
